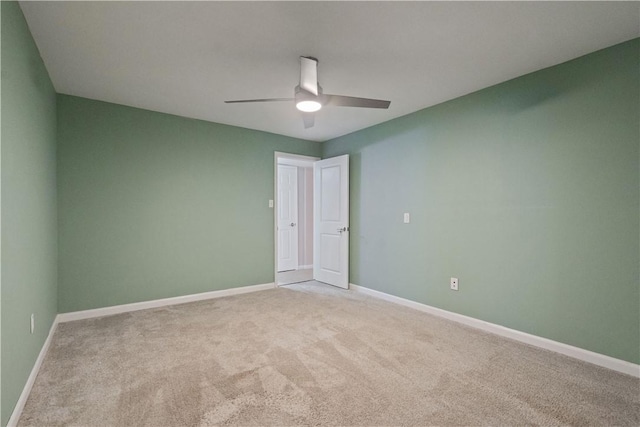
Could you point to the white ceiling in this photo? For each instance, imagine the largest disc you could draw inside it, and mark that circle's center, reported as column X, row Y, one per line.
column 186, row 58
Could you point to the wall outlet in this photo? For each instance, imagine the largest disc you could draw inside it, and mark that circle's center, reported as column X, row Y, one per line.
column 454, row 283
column 407, row 218
column 33, row 322
column 270, row 203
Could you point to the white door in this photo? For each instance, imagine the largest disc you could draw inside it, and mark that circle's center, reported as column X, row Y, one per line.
column 331, row 221
column 287, row 218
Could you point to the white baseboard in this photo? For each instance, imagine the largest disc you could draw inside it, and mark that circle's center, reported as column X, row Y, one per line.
column 558, row 347
column 305, row 267
column 124, row 308
column 22, row 400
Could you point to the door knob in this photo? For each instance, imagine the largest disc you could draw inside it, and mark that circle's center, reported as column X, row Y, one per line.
column 340, row 230
column 293, row 224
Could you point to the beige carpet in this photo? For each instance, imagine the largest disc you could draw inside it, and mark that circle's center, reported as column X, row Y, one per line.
column 311, row 354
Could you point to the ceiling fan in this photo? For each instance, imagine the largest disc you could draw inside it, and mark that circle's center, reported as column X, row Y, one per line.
column 309, row 97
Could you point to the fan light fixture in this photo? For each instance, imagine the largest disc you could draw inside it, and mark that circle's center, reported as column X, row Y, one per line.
column 308, row 96
column 308, row 106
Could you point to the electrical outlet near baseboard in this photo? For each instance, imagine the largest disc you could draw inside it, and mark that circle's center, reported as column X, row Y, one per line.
column 33, row 322
column 454, row 283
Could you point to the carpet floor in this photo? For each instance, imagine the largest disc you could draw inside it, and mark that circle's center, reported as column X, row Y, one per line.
column 311, row 354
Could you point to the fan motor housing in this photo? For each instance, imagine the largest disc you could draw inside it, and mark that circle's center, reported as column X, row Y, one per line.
column 301, row 94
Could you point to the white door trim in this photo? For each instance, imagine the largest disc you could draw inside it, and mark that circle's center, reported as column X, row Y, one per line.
column 288, row 159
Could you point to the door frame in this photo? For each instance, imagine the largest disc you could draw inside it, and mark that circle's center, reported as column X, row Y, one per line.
column 293, row 160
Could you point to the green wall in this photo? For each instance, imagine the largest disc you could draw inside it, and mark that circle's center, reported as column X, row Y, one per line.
column 153, row 205
column 28, row 175
column 527, row 191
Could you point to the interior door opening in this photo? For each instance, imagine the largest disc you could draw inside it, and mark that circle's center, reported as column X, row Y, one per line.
column 311, row 219
column 294, row 188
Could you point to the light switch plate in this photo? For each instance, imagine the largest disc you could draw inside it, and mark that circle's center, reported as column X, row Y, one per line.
column 407, row 218
column 454, row 283
column 270, row 203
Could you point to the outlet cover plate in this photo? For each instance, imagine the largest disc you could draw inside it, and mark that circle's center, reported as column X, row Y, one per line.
column 454, row 283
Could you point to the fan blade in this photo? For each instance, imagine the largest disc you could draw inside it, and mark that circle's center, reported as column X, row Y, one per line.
column 309, row 120
column 350, row 101
column 259, row 100
column 309, row 74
